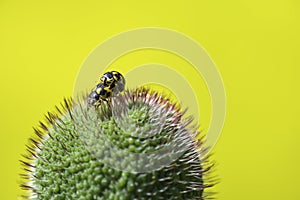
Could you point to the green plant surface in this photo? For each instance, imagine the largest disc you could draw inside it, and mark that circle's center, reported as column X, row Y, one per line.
column 136, row 146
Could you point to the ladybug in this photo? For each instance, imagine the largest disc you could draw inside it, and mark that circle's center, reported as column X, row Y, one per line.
column 111, row 83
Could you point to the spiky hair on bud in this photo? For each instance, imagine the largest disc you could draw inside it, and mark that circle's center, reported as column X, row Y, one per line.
column 138, row 145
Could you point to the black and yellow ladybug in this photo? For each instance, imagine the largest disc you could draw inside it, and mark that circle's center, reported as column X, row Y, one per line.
column 111, row 83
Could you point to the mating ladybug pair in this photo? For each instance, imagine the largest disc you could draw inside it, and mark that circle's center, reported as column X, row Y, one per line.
column 111, row 83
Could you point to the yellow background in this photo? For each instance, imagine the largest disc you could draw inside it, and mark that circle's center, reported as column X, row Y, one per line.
column 255, row 45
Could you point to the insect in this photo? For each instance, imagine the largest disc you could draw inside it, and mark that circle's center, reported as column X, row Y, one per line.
column 111, row 83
